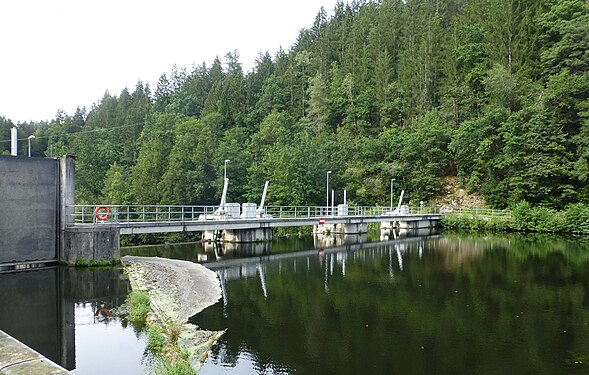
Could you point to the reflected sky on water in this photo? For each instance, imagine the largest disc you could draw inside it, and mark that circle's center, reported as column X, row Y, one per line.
column 53, row 310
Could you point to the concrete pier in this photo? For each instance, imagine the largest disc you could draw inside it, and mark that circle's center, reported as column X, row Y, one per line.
column 17, row 358
column 247, row 235
column 239, row 235
column 421, row 223
column 340, row 228
column 417, row 224
column 101, row 242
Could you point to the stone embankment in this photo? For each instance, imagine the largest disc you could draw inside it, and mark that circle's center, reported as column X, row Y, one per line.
column 18, row 359
column 178, row 290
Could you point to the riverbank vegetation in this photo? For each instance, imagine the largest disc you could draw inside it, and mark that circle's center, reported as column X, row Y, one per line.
column 138, row 306
column 109, row 262
column 168, row 357
column 525, row 218
column 493, row 92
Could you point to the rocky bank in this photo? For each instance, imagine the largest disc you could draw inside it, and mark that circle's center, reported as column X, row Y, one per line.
column 178, row 290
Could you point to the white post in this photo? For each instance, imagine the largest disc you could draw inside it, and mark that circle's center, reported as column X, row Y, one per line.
column 225, row 169
column 345, row 200
column 30, row 137
column 392, row 180
column 14, row 141
column 332, row 198
column 327, row 194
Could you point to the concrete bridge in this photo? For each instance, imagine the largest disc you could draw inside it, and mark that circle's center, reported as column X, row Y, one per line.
column 91, row 238
column 161, row 219
column 41, row 223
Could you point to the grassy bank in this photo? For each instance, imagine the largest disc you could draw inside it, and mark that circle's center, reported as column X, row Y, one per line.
column 525, row 218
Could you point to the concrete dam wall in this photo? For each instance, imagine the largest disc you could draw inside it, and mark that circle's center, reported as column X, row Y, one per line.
column 29, row 209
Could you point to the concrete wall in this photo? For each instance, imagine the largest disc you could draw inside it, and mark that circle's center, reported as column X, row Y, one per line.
column 29, row 218
column 91, row 243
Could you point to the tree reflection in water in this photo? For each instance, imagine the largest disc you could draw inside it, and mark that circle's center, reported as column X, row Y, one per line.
column 449, row 305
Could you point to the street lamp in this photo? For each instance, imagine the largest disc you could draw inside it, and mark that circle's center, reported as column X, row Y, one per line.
column 225, row 170
column 30, row 137
column 327, row 193
column 392, row 180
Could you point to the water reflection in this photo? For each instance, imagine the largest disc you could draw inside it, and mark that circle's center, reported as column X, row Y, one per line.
column 444, row 305
column 321, row 240
column 394, row 233
column 204, row 252
column 331, row 255
column 228, row 250
column 64, row 313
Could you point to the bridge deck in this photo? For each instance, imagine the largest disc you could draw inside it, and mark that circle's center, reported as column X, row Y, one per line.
column 233, row 224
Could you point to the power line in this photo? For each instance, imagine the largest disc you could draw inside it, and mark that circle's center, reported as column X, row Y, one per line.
column 75, row 133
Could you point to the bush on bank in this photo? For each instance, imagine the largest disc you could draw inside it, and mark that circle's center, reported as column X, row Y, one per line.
column 525, row 218
column 162, row 340
column 138, row 304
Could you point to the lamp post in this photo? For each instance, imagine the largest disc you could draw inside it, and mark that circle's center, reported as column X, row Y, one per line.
column 327, row 193
column 14, row 141
column 30, row 137
column 392, row 180
column 225, row 170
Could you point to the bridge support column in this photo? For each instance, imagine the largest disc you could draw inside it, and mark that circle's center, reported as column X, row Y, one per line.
column 346, row 228
column 91, row 243
column 239, row 235
column 388, row 225
column 417, row 224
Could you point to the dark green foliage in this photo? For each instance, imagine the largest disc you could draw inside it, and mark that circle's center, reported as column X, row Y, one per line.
column 475, row 224
column 525, row 218
column 495, row 92
column 576, row 218
column 536, row 219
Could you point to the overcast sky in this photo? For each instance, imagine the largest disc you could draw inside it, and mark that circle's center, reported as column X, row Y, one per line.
column 66, row 53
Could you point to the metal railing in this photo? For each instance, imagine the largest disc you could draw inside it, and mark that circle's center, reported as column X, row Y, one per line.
column 478, row 212
column 84, row 214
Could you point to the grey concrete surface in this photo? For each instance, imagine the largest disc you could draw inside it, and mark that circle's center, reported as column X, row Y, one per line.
column 17, row 358
column 29, row 190
column 91, row 243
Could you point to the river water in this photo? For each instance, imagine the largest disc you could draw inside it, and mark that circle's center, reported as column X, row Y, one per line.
column 447, row 304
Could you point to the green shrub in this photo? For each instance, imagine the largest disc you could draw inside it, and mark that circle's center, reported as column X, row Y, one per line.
column 174, row 367
column 138, row 304
column 576, row 218
column 525, row 218
column 96, row 262
column 536, row 219
column 521, row 216
column 156, row 342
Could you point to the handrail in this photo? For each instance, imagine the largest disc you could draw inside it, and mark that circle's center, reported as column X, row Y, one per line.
column 183, row 213
column 84, row 214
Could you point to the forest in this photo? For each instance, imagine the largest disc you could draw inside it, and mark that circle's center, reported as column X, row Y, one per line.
column 493, row 93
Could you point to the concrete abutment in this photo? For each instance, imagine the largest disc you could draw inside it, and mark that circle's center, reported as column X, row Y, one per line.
column 101, row 243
